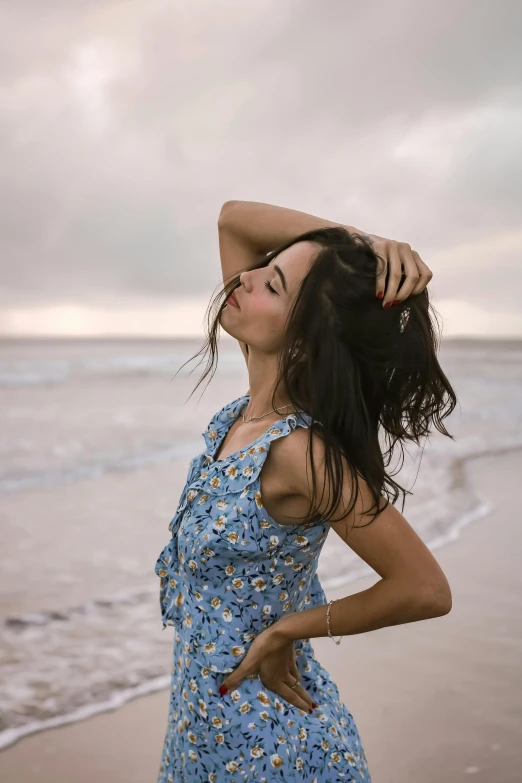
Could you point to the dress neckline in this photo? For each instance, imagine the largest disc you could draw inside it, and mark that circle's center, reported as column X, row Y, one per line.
column 228, row 426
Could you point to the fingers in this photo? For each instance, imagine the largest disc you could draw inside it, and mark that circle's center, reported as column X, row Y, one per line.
column 296, row 696
column 410, row 272
column 296, row 674
column 301, row 693
column 402, row 260
column 281, row 682
column 294, row 671
column 394, row 273
column 381, row 278
column 425, row 274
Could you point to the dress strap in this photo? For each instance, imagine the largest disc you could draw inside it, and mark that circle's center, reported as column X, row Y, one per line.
column 221, row 419
column 238, row 470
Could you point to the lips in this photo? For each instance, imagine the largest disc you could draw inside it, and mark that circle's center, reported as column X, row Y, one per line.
column 232, row 300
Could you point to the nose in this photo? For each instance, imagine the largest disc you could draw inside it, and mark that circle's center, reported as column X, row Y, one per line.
column 242, row 278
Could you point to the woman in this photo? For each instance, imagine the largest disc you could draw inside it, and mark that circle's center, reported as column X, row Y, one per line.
column 336, row 332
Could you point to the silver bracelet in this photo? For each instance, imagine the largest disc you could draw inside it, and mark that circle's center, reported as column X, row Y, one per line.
column 328, row 622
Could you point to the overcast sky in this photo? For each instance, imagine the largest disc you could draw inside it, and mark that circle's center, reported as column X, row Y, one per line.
column 126, row 125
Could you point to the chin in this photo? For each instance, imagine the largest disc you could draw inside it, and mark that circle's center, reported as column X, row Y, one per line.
column 223, row 320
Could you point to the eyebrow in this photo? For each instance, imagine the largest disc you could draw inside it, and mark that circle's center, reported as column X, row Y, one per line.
column 281, row 275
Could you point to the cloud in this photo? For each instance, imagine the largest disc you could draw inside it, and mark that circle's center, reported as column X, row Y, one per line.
column 183, row 318
column 487, row 273
column 461, row 318
column 125, row 126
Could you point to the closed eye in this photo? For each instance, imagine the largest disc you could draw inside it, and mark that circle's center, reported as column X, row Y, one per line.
column 267, row 284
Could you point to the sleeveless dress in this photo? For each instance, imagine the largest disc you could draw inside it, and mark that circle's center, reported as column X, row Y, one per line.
column 228, row 572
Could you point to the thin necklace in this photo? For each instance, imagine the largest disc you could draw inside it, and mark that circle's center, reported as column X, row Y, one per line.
column 265, row 414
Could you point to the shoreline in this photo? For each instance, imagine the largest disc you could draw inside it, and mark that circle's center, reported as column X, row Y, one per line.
column 364, row 674
column 119, row 698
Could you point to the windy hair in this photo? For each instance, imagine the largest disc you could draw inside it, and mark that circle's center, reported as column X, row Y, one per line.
column 368, row 376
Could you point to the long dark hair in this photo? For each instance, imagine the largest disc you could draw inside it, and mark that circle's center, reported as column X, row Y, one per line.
column 358, row 369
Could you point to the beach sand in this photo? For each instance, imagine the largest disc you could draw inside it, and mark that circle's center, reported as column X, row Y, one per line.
column 434, row 701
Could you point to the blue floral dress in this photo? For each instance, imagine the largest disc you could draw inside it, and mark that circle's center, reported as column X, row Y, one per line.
column 228, row 572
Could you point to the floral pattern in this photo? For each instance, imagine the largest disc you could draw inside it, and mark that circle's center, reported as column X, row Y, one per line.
column 228, row 572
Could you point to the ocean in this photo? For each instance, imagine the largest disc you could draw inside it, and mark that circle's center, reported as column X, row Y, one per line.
column 95, row 440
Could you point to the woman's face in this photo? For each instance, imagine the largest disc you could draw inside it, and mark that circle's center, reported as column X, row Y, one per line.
column 265, row 297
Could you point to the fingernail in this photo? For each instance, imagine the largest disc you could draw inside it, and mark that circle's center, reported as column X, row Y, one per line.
column 396, row 301
column 310, row 711
column 387, row 305
column 223, row 689
column 380, row 295
column 314, row 704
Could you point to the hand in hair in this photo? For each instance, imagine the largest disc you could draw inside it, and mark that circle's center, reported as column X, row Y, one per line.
column 400, row 260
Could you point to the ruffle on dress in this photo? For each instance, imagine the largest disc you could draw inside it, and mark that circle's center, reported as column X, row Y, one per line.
column 218, row 509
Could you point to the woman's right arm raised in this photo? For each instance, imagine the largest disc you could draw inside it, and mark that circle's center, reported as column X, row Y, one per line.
column 263, row 227
column 248, row 230
column 258, row 228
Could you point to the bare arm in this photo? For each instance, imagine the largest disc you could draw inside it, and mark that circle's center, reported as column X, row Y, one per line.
column 412, row 587
column 249, row 229
column 264, row 226
column 237, row 255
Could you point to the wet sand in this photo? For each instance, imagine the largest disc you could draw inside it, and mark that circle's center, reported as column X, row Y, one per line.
column 434, row 701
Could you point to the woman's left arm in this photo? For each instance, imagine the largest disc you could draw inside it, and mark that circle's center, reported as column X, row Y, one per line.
column 388, row 602
column 412, row 587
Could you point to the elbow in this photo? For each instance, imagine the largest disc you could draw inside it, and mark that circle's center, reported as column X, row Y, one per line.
column 438, row 601
column 441, row 608
column 225, row 209
column 448, row 604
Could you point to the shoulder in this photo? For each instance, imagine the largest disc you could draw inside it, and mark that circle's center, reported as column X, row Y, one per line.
column 294, row 458
column 291, row 456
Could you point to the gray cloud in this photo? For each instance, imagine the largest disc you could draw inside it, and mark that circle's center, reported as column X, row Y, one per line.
column 124, row 126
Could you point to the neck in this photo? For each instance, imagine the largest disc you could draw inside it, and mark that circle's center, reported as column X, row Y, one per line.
column 262, row 378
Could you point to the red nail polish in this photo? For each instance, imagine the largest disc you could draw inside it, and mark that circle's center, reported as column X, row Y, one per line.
column 387, row 305
column 314, row 704
column 310, row 711
column 223, row 689
column 396, row 301
column 380, row 295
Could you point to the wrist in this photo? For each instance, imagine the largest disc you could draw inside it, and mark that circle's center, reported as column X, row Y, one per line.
column 358, row 232
column 306, row 623
column 302, row 624
column 285, row 628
